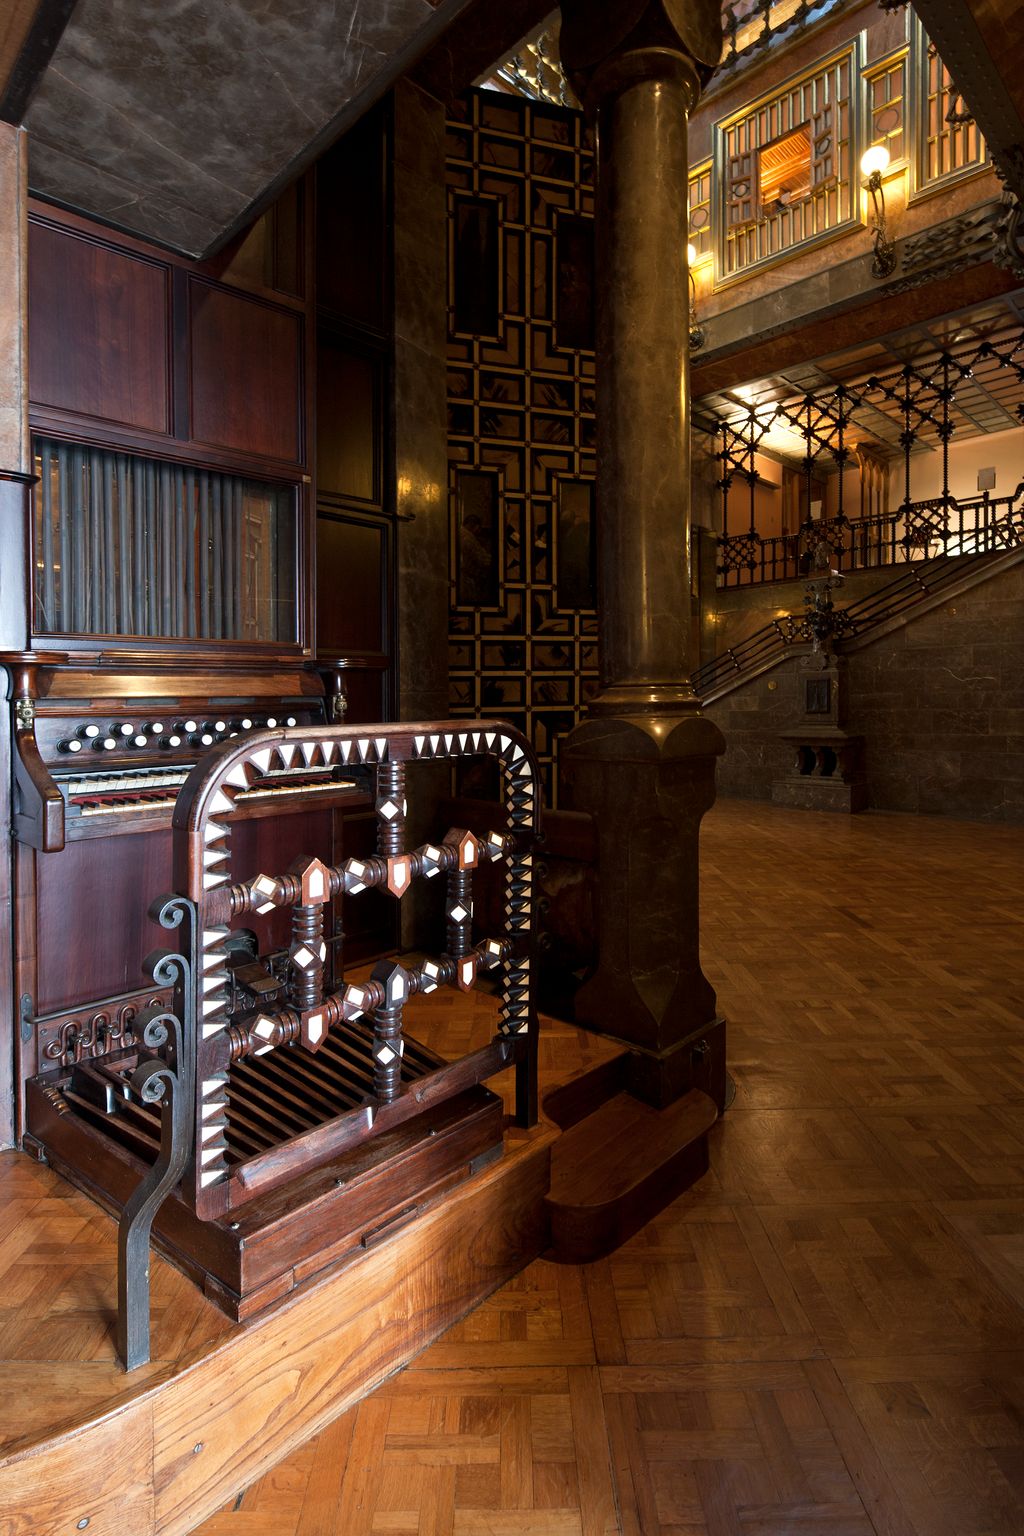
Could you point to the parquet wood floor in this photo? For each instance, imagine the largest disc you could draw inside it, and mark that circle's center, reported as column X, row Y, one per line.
column 826, row 1336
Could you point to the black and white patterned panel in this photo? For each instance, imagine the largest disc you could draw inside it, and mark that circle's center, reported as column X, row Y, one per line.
column 523, row 630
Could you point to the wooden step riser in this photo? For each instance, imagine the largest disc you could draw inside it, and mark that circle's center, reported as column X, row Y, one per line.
column 177, row 1451
column 580, row 1235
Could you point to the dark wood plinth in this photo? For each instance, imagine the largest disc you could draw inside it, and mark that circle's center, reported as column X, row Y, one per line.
column 274, row 1244
column 617, row 1168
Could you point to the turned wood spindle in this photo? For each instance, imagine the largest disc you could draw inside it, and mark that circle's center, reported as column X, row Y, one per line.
column 387, row 1030
column 390, row 808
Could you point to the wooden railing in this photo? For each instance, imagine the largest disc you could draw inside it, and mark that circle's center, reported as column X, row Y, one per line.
column 204, row 1054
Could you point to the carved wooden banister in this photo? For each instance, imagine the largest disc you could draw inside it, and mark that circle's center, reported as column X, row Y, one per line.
column 303, row 1012
column 207, row 810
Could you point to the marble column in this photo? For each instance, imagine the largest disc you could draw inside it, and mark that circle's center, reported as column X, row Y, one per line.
column 643, row 762
column 421, row 459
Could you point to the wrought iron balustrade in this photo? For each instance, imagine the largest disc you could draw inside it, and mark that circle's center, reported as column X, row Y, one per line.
column 911, row 584
column 920, row 531
column 878, row 424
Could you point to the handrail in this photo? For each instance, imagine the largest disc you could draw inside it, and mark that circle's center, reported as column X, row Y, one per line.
column 769, row 643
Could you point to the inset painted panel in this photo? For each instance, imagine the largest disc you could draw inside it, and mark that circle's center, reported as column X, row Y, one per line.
column 477, row 540
column 475, row 267
column 577, row 554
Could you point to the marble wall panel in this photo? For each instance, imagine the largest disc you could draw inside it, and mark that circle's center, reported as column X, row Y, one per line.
column 171, row 118
column 939, row 702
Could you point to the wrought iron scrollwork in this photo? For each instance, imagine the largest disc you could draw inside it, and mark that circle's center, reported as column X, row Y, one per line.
column 167, row 1079
column 103, row 1031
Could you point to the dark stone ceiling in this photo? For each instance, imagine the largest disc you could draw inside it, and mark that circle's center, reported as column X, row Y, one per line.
column 177, row 120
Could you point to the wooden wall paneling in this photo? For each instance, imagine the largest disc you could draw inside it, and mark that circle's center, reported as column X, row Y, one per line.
column 350, row 417
column 246, row 384
column 270, row 255
column 353, row 565
column 368, row 693
column 182, row 405
column 116, row 878
column 99, row 329
column 352, row 266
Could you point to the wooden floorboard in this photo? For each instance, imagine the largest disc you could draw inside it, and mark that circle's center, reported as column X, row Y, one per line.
column 826, row 1336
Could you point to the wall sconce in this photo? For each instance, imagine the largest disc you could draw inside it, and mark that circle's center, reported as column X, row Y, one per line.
column 697, row 336
column 873, row 162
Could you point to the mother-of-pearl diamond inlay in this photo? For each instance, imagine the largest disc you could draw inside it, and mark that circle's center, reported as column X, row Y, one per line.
column 313, row 998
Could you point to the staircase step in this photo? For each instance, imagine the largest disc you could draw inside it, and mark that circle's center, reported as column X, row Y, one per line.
column 617, row 1168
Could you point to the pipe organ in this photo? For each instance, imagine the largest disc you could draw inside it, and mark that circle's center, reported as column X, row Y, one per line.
column 168, row 569
column 332, row 1122
column 99, row 758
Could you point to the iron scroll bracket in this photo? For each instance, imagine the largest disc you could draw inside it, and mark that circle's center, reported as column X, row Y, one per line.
column 167, row 1079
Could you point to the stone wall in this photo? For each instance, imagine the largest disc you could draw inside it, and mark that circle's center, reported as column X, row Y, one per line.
column 939, row 701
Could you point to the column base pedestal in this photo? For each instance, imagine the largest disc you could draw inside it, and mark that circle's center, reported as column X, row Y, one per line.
column 647, row 781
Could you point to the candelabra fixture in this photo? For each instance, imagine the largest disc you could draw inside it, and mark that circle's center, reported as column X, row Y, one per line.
column 873, row 163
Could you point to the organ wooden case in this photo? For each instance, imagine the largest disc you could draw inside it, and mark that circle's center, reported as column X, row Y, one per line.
column 157, row 601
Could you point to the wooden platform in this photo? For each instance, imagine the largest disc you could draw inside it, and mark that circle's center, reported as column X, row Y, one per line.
column 159, row 1450
column 826, row 1336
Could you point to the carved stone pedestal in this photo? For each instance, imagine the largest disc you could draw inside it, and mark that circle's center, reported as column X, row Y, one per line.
column 828, row 763
column 827, row 775
column 647, row 781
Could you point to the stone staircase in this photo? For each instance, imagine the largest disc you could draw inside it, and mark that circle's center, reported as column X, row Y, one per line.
column 915, row 590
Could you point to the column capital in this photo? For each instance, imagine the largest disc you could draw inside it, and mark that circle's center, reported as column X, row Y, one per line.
column 608, row 44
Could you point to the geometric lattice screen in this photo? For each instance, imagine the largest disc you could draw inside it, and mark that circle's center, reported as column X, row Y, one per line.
column 523, row 631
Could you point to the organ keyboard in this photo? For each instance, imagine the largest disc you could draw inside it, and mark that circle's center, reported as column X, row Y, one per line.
column 145, row 790
column 99, row 757
column 118, row 762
